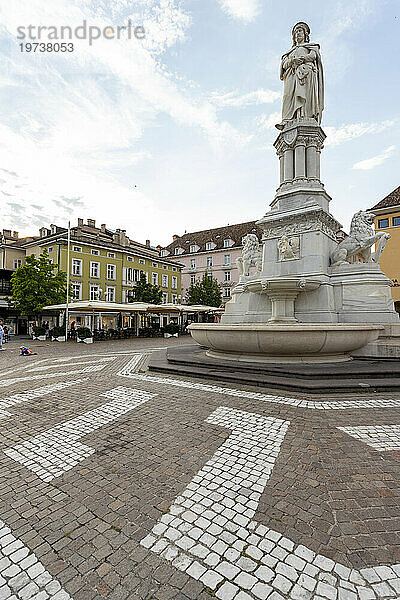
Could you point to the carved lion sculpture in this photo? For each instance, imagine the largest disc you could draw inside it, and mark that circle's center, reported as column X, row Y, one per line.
column 360, row 240
column 251, row 255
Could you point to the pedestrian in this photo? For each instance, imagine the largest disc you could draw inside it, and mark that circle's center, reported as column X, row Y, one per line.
column 6, row 334
column 1, row 335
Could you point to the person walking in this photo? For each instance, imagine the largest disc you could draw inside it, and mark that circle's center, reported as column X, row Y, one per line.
column 1, row 335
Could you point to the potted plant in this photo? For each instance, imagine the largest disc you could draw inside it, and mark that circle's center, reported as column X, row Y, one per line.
column 58, row 334
column 83, row 334
column 39, row 333
column 171, row 330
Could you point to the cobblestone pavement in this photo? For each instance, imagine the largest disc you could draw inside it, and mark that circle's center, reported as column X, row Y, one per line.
column 118, row 483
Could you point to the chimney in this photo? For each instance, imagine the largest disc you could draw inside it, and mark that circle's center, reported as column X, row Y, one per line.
column 80, row 222
column 15, row 235
column 148, row 243
column 116, row 238
column 7, row 232
column 103, row 227
column 159, row 248
column 91, row 222
column 175, row 237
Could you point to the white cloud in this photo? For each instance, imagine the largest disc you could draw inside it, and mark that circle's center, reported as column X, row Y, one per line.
column 375, row 161
column 78, row 119
column 252, row 98
column 344, row 133
column 243, row 10
column 269, row 121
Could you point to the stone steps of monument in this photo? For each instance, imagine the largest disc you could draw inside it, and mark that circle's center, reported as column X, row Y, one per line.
column 353, row 376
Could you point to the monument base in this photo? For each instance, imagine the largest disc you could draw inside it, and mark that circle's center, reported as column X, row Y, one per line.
column 355, row 376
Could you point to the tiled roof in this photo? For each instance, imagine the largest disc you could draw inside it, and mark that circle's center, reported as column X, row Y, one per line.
column 392, row 199
column 217, row 236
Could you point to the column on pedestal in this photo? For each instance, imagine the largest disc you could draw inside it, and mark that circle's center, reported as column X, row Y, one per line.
column 281, row 168
column 288, row 164
column 300, row 158
column 313, row 158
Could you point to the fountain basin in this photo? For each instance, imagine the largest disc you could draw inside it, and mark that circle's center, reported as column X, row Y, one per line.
column 290, row 343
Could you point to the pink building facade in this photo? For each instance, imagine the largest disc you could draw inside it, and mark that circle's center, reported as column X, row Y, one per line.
column 211, row 250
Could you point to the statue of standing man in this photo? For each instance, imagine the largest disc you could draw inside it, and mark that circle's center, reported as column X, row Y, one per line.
column 302, row 74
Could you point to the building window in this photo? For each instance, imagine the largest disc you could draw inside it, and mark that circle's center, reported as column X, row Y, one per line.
column 209, row 246
column 227, row 292
column 174, row 284
column 76, row 249
column 177, row 250
column 165, row 281
column 227, row 260
column 76, row 290
column 17, row 262
column 94, row 292
column 383, row 223
column 163, row 253
column 165, row 297
column 396, row 221
column 76, row 266
column 50, row 249
column 146, row 275
column 192, row 263
column 110, row 294
column 110, row 255
column 209, row 261
column 154, row 278
column 227, row 243
column 111, row 272
column 95, row 252
column 227, row 275
column 192, row 279
column 142, row 261
column 192, row 248
column 174, row 299
column 130, row 258
column 155, row 265
column 174, row 268
column 94, row 269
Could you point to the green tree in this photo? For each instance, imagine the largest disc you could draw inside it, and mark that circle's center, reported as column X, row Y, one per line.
column 146, row 292
column 206, row 291
column 37, row 283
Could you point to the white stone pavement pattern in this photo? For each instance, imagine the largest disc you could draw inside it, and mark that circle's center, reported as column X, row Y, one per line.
column 52, row 453
column 209, row 533
column 380, row 437
column 35, row 393
column 22, row 575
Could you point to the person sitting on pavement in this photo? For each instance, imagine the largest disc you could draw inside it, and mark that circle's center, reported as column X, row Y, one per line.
column 25, row 351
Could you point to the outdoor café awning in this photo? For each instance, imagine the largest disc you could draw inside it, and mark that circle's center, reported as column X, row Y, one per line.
column 104, row 307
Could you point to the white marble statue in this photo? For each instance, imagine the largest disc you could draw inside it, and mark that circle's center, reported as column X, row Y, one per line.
column 251, row 255
column 302, row 74
column 360, row 240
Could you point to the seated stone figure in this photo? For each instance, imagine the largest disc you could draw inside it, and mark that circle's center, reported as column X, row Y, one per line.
column 360, row 240
column 251, row 255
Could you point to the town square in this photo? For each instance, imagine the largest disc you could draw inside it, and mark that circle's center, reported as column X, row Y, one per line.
column 199, row 311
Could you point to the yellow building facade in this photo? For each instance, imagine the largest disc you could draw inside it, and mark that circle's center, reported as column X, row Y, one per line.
column 387, row 218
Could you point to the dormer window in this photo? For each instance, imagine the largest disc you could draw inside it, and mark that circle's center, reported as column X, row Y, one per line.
column 227, row 243
column 163, row 253
column 192, row 248
column 209, row 246
column 177, row 250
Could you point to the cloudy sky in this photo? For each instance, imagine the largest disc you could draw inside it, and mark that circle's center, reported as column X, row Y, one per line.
column 175, row 132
